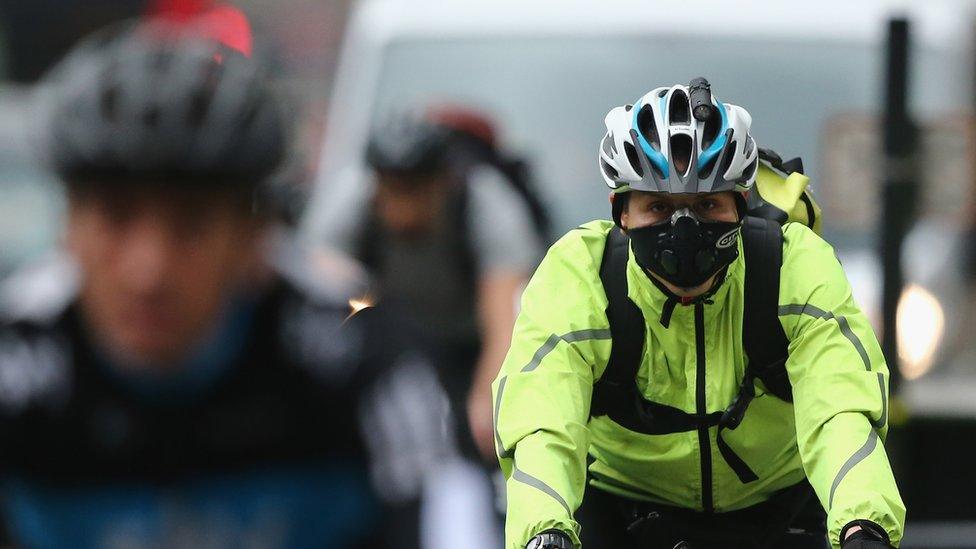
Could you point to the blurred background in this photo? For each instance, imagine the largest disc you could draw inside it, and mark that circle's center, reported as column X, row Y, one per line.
column 880, row 111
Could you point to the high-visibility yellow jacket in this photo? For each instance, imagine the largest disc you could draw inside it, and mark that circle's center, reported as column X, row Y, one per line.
column 831, row 434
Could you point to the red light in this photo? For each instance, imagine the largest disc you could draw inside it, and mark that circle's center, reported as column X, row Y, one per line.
column 223, row 23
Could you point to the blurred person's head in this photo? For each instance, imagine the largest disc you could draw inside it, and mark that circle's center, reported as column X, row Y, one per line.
column 164, row 142
column 679, row 164
column 414, row 174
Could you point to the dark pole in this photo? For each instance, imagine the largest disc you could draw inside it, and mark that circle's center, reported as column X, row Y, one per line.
column 899, row 168
column 970, row 250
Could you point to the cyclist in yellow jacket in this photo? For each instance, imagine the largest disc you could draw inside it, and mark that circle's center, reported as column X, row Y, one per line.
column 696, row 441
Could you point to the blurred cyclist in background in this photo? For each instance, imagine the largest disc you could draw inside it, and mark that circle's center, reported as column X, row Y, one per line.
column 451, row 234
column 169, row 385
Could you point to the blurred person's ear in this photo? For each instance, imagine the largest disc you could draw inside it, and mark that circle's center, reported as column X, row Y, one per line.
column 77, row 201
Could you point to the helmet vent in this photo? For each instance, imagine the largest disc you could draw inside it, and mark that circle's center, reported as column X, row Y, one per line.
column 750, row 144
column 631, row 153
column 681, row 150
column 750, row 171
column 198, row 109
column 713, row 125
column 255, row 106
column 108, row 103
column 609, row 170
column 727, row 156
column 609, row 147
column 204, row 96
column 679, row 109
column 647, row 127
column 704, row 172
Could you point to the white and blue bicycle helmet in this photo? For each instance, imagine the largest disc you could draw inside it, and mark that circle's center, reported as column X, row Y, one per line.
column 666, row 142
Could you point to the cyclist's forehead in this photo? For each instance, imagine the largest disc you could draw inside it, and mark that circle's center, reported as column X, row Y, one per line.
column 682, row 198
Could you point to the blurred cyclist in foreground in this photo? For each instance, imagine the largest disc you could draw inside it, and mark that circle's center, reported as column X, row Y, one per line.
column 169, row 386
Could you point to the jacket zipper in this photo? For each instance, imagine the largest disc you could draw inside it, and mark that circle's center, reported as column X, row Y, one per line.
column 704, row 444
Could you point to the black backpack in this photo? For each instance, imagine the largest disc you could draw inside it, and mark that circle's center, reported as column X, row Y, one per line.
column 469, row 152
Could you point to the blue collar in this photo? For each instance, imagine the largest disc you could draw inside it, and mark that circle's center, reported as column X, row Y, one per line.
column 212, row 357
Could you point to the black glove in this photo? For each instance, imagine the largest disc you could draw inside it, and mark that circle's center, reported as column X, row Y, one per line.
column 870, row 536
column 550, row 539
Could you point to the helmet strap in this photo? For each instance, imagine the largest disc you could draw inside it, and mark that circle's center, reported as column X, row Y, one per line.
column 618, row 203
column 741, row 205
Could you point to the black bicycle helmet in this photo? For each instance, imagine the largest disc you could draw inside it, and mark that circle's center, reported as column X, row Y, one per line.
column 148, row 103
column 409, row 146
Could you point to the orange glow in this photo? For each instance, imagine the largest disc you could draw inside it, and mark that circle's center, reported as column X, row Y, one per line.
column 921, row 327
column 358, row 304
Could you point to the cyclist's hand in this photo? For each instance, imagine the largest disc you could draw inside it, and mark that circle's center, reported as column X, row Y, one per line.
column 550, row 539
column 855, row 541
column 865, row 535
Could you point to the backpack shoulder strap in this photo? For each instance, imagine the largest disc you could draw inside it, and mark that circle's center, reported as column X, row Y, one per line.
column 465, row 258
column 793, row 165
column 519, row 175
column 368, row 242
column 626, row 327
column 763, row 339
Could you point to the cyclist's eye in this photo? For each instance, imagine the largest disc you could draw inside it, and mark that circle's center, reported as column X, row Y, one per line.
column 658, row 207
column 706, row 205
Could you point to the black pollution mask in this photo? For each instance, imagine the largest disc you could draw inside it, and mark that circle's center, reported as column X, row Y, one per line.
column 685, row 250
